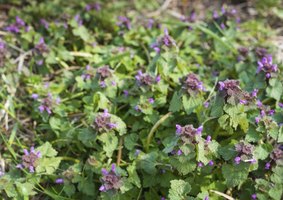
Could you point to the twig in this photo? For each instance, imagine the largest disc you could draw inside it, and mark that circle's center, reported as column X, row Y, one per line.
column 119, row 155
column 222, row 194
column 161, row 9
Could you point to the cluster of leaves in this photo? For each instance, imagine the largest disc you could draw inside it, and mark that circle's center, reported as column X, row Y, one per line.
column 112, row 103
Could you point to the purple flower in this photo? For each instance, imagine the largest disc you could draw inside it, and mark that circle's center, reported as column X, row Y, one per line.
column 206, row 198
column 200, row 164
column 242, row 101
column 103, row 122
column 157, row 79
column 211, row 163
column 137, row 108
column 199, row 130
column 102, row 84
column 29, row 160
column 178, row 129
column 254, row 197
column 15, row 27
column 59, row 181
column 259, row 103
column 144, row 79
column 237, row 160
column 78, row 19
column 124, row 22
column 44, row 23
column 41, row 47
column 254, row 93
column 126, row 93
column 39, row 62
column 137, row 152
column 208, row 139
column 221, row 85
column 222, row 26
column 267, row 166
column 19, row 21
column 167, row 40
column 266, row 65
column 179, row 152
column 104, row 72
column 271, row 112
column 257, row 119
column 192, row 84
column 150, row 23
column 151, row 100
column 206, row 104
column 280, row 105
column 95, row 6
column 34, row 96
column 162, row 198
column 110, row 180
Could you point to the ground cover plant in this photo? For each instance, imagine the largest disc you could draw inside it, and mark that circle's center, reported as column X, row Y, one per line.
column 141, row 100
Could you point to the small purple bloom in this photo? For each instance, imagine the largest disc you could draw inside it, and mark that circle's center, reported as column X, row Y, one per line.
column 271, row 112
column 137, row 152
column 254, row 93
column 41, row 108
column 137, row 108
column 157, row 79
column 206, row 104
column 242, row 101
column 151, row 100
column 126, row 93
column 259, row 103
column 222, row 26
column 178, row 129
column 280, row 105
column 179, row 152
column 29, row 160
column 102, row 84
column 208, row 139
column 34, row 96
column 206, row 198
column 237, row 160
column 267, row 166
column 199, row 130
column 200, row 164
column 124, row 22
column 254, row 197
column 221, row 85
column 44, row 23
column 59, row 181
column 257, row 119
column 211, row 163
column 162, row 198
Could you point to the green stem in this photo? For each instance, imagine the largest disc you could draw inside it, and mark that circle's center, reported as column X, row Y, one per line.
column 154, row 128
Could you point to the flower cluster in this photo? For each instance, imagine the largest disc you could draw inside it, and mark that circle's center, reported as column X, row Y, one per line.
column 88, row 74
column 261, row 52
column 192, row 84
column 234, row 94
column 47, row 103
column 103, row 73
column 124, row 22
column 245, row 152
column 188, row 133
column 41, row 46
column 146, row 79
column 29, row 160
column 266, row 65
column 264, row 111
column 93, row 6
column 110, row 180
column 102, row 122
column 226, row 14
column 15, row 27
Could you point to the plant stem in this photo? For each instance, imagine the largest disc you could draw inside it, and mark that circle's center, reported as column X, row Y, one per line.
column 154, row 128
column 119, row 155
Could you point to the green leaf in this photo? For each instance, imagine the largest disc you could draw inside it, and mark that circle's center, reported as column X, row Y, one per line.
column 110, row 143
column 133, row 175
column 121, row 127
column 262, row 151
column 82, row 32
column 87, row 137
column 235, row 174
column 48, row 165
column 276, row 192
column 175, row 103
column 147, row 162
column 217, row 107
column 179, row 189
column 227, row 152
column 47, row 150
column 275, row 89
column 191, row 103
column 25, row 189
column 131, row 141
